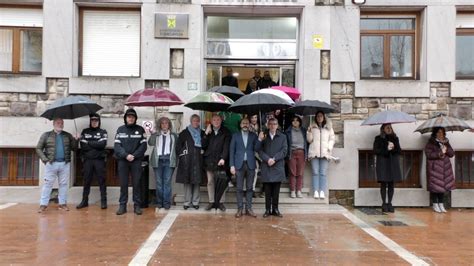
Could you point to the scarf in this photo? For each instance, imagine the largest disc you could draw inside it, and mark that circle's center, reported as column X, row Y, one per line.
column 196, row 134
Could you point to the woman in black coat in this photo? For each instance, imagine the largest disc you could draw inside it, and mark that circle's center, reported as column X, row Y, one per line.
column 190, row 162
column 387, row 149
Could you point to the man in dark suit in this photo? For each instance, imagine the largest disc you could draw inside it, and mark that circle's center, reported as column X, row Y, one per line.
column 229, row 79
column 242, row 164
column 273, row 150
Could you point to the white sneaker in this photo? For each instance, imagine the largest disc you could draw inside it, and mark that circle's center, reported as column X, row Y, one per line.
column 293, row 194
column 321, row 195
column 299, row 194
column 316, row 195
column 436, row 207
column 230, row 184
column 441, row 207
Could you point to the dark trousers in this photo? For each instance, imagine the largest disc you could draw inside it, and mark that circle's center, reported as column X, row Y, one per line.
column 384, row 186
column 94, row 167
column 126, row 168
column 272, row 195
column 248, row 175
column 437, row 197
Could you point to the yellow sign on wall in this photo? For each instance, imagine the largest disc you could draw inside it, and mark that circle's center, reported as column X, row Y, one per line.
column 318, row 41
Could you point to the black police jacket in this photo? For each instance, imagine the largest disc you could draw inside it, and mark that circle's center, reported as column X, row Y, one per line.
column 93, row 142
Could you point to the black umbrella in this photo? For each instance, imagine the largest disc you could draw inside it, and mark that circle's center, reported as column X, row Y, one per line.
column 71, row 107
column 232, row 92
column 259, row 102
column 311, row 107
column 221, row 182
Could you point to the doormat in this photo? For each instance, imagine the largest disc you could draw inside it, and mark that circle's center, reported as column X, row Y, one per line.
column 393, row 223
column 371, row 211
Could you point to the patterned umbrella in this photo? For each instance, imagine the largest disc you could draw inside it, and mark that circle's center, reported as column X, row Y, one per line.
column 290, row 91
column 210, row 101
column 153, row 97
column 388, row 117
column 441, row 120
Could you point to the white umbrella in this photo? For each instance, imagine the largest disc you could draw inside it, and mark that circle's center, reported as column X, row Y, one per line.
column 276, row 93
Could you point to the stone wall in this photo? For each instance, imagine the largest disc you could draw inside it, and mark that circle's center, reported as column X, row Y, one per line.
column 349, row 107
column 34, row 104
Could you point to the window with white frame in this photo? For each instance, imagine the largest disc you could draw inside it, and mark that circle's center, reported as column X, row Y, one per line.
column 21, row 40
column 465, row 46
column 388, row 46
column 110, row 43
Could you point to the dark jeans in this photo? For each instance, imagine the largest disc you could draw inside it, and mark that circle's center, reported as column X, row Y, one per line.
column 438, row 197
column 163, row 175
column 248, row 175
column 272, row 195
column 94, row 167
column 126, row 168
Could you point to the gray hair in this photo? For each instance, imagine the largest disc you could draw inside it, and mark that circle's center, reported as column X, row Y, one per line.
column 194, row 116
column 158, row 123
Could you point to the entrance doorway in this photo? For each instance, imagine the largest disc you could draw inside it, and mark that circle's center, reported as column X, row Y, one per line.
column 281, row 74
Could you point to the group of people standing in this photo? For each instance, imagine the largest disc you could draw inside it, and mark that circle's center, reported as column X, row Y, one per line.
column 198, row 153
column 255, row 83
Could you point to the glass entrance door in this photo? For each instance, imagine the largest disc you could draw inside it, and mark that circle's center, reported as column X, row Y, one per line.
column 271, row 74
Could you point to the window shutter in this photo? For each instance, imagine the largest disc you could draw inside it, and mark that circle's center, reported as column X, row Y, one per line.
column 21, row 17
column 111, row 43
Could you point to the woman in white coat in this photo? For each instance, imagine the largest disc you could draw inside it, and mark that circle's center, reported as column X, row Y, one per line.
column 321, row 140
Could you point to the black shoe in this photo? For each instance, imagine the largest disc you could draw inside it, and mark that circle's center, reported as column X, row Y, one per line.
column 84, row 203
column 250, row 212
column 266, row 214
column 185, row 207
column 103, row 204
column 121, row 210
column 277, row 213
column 196, row 207
column 137, row 210
column 209, row 206
column 222, row 207
column 384, row 207
column 239, row 213
column 390, row 208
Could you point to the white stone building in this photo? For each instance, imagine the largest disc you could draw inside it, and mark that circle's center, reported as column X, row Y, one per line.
column 415, row 56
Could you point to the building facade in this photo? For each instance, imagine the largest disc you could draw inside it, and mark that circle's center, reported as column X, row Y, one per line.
column 410, row 55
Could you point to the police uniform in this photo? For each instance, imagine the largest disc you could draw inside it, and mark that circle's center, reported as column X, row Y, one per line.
column 129, row 139
column 93, row 142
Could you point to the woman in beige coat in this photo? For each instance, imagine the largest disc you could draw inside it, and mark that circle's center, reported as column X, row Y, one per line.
column 321, row 139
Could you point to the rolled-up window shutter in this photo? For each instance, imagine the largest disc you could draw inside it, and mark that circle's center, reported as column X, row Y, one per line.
column 21, row 17
column 111, row 43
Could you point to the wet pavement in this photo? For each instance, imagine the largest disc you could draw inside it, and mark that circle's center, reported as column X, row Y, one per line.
column 326, row 235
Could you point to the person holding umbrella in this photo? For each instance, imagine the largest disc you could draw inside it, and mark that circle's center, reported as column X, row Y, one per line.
column 163, row 160
column 54, row 149
column 321, row 140
column 93, row 142
column 215, row 144
column 130, row 147
column 387, row 149
column 272, row 149
column 439, row 170
column 189, row 156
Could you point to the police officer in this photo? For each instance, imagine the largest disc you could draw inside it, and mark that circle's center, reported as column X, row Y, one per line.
column 93, row 141
column 129, row 149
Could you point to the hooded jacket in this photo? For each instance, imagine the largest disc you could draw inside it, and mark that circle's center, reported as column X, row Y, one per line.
column 93, row 142
column 130, row 139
